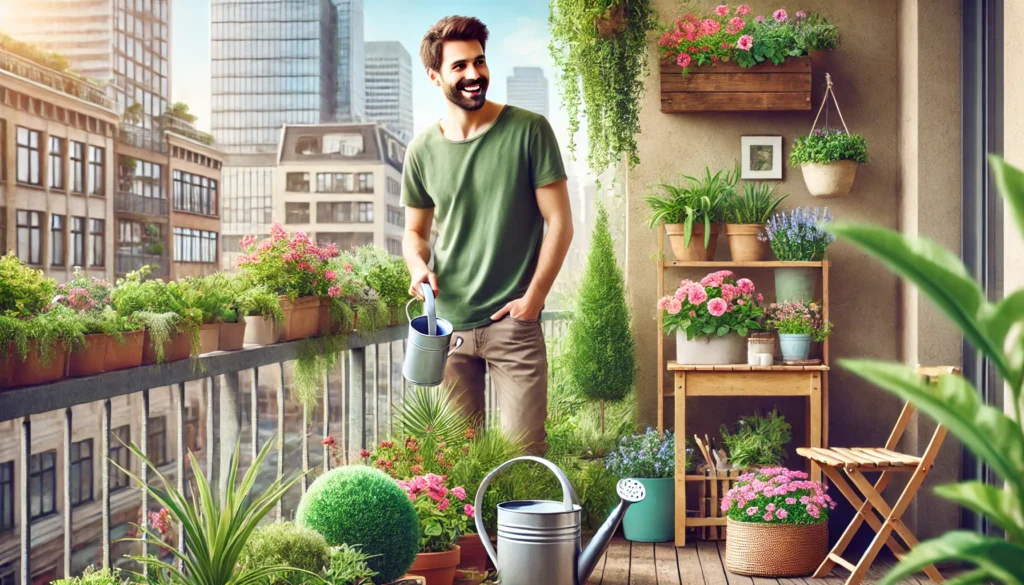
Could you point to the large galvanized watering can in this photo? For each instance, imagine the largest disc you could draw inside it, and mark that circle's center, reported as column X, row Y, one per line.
column 539, row 541
column 429, row 338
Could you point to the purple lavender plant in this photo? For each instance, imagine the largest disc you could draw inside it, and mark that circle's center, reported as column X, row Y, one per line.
column 644, row 456
column 797, row 235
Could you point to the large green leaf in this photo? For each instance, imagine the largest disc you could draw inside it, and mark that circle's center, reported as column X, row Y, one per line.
column 1000, row 559
column 1007, row 312
column 940, row 275
column 955, row 403
column 995, row 503
column 1010, row 182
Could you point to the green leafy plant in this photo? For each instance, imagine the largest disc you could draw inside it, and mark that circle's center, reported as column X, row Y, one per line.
column 349, row 566
column 798, row 318
column 213, row 296
column 34, row 53
column 93, row 576
column 757, row 441
column 165, row 309
column 429, row 415
column 384, row 273
column 361, row 506
column 991, row 435
column 601, row 353
column 698, row 200
column 756, row 205
column 645, row 456
column 24, row 291
column 284, row 543
column 828, row 145
column 251, row 300
column 58, row 325
column 601, row 76
column 216, row 529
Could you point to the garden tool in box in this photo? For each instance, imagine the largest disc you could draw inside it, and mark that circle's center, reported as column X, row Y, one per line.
column 539, row 540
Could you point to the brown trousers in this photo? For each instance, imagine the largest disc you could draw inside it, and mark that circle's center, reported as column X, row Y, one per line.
column 518, row 360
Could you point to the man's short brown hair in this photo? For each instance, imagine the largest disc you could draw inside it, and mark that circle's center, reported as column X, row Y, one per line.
column 450, row 28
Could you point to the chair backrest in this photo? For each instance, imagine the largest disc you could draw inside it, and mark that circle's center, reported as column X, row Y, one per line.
column 931, row 374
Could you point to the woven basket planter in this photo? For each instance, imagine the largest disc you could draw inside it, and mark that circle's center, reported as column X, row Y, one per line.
column 775, row 550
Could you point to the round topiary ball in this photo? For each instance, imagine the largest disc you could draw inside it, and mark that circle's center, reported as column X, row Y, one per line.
column 284, row 543
column 362, row 506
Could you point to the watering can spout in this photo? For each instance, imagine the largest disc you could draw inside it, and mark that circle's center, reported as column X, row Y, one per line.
column 630, row 492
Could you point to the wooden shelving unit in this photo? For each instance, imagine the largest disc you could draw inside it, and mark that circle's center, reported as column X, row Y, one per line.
column 808, row 381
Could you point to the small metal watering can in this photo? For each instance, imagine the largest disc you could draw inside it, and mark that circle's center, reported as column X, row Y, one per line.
column 429, row 338
column 539, row 540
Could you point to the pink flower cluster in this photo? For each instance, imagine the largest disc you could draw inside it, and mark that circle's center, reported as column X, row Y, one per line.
column 777, row 494
column 718, row 299
column 160, row 521
column 432, row 485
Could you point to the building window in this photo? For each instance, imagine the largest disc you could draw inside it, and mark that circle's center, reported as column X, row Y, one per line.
column 78, row 241
column 145, row 178
column 95, row 170
column 346, row 240
column 120, row 437
column 394, row 187
column 156, row 435
column 3, row 159
column 396, row 216
column 42, row 484
column 344, row 212
column 366, row 182
column 97, row 236
column 6, row 496
column 344, row 182
column 297, row 183
column 195, row 245
column 296, row 212
column 77, row 154
column 81, row 472
column 56, row 170
column 394, row 246
column 343, row 144
column 28, row 156
column 195, row 194
column 57, row 228
column 29, row 236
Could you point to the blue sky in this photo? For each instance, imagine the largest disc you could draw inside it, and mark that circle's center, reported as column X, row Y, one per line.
column 518, row 36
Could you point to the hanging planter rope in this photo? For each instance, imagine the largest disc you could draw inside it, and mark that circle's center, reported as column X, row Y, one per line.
column 832, row 179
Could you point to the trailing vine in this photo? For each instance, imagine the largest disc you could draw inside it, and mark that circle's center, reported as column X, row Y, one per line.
column 600, row 53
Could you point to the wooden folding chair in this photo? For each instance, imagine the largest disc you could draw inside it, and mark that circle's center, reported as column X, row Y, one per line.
column 855, row 462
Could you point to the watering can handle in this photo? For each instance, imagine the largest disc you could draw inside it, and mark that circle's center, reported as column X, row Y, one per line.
column 428, row 307
column 568, row 497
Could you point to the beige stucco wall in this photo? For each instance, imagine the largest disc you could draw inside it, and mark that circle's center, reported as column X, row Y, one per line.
column 1013, row 140
column 899, row 107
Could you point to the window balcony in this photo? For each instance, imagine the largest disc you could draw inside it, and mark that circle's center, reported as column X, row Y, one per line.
column 144, row 138
column 69, row 84
column 125, row 262
column 127, row 202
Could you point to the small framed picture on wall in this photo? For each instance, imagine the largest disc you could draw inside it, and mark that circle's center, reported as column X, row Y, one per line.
column 762, row 157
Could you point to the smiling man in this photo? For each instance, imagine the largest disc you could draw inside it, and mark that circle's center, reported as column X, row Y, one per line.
column 491, row 176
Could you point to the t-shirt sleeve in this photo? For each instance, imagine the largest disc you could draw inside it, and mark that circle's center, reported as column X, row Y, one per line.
column 545, row 159
column 414, row 194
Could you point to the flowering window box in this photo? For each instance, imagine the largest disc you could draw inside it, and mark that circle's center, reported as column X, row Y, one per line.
column 727, row 87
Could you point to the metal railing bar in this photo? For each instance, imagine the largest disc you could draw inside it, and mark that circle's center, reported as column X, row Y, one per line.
column 105, row 484
column 344, row 406
column 327, row 421
column 67, row 493
column 305, row 448
column 254, row 420
column 26, row 512
column 376, row 392
column 179, row 421
column 357, row 399
column 211, row 420
column 391, row 404
column 280, row 438
column 144, row 476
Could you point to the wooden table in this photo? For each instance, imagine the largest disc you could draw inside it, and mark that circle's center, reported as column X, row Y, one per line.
column 743, row 380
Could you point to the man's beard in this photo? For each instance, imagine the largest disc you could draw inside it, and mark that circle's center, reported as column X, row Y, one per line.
column 456, row 96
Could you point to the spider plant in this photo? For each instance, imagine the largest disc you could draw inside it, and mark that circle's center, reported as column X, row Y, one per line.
column 697, row 200
column 756, row 205
column 216, row 529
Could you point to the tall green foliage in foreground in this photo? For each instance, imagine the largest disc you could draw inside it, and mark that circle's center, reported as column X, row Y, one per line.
column 601, row 356
column 994, row 329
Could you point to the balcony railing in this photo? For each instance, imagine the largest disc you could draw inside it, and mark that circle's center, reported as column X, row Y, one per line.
column 144, row 138
column 128, row 202
column 126, row 262
column 245, row 394
column 73, row 86
column 184, row 128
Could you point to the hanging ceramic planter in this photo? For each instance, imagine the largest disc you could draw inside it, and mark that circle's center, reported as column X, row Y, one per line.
column 829, row 158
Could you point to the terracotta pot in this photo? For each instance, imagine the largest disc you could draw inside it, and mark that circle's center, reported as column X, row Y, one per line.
column 743, row 243
column 301, row 317
column 124, row 354
column 89, row 360
column 32, row 371
column 178, row 347
column 437, row 568
column 323, row 326
column 232, row 336
column 695, row 251
column 831, row 180
column 261, row 331
column 473, row 561
column 209, row 337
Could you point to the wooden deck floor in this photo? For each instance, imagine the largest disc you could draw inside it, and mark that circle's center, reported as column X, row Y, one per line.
column 699, row 563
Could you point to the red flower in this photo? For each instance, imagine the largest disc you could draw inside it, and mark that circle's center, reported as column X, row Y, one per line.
column 329, row 441
column 364, row 454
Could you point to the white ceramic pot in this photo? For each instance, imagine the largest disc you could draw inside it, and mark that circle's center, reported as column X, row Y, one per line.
column 831, row 180
column 715, row 350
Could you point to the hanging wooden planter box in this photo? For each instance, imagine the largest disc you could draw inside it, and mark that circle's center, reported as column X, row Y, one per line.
column 727, row 87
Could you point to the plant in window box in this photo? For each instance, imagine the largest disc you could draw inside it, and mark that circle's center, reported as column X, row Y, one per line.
column 212, row 297
column 171, row 325
column 386, row 274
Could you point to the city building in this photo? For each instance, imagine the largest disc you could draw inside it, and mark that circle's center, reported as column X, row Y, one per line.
column 389, row 87
column 527, row 88
column 194, row 177
column 56, row 160
column 247, row 188
column 283, row 62
column 341, row 184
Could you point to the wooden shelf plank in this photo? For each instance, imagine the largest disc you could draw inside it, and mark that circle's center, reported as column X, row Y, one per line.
column 674, row 366
column 736, row 264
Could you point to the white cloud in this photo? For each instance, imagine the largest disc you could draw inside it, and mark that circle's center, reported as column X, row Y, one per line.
column 528, row 43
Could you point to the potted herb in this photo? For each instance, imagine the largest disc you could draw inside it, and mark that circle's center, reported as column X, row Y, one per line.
column 258, row 308
column 745, row 217
column 444, row 517
column 757, row 441
column 711, row 318
column 798, row 324
column 777, row 522
column 293, row 267
column 171, row 324
column 650, row 460
column 829, row 159
column 692, row 211
column 387, row 275
column 798, row 236
column 212, row 296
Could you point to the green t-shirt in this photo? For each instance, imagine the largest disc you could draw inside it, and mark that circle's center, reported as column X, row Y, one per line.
column 483, row 194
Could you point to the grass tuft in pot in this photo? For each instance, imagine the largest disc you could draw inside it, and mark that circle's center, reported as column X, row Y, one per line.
column 695, row 202
column 758, row 441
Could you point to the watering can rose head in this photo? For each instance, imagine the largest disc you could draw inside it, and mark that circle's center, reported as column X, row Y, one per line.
column 717, row 304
